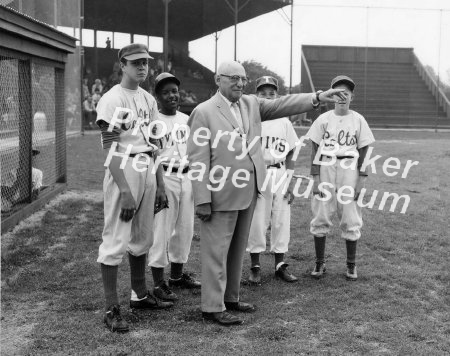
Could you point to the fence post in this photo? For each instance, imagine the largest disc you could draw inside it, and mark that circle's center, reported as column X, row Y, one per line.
column 25, row 129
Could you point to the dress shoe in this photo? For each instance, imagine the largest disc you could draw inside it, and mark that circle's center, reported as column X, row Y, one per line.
column 150, row 302
column 255, row 276
column 185, row 281
column 283, row 274
column 114, row 320
column 223, row 318
column 240, row 307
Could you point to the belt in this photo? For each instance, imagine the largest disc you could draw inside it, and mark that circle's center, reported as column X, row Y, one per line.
column 148, row 153
column 276, row 165
column 175, row 169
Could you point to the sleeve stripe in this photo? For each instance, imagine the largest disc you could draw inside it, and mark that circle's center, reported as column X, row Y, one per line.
column 108, row 137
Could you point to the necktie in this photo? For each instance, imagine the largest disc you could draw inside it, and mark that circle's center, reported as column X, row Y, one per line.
column 237, row 115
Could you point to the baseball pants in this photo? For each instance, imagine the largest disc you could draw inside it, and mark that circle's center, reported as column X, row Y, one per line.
column 174, row 226
column 135, row 236
column 271, row 209
column 349, row 215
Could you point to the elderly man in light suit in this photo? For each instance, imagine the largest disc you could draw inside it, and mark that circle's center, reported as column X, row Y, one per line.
column 227, row 171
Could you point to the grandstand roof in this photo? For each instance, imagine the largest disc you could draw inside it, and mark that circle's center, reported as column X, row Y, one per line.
column 188, row 19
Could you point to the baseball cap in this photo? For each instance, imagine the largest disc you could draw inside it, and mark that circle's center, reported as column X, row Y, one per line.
column 163, row 78
column 266, row 80
column 343, row 79
column 134, row 51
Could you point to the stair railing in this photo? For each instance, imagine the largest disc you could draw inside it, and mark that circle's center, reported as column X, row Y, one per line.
column 437, row 92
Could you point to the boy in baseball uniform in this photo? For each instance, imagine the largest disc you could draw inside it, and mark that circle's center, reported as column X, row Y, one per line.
column 278, row 139
column 340, row 139
column 174, row 226
column 131, row 189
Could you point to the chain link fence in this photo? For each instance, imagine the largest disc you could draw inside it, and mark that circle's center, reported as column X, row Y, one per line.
column 32, row 152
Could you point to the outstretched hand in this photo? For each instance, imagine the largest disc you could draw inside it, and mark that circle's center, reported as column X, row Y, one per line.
column 332, row 96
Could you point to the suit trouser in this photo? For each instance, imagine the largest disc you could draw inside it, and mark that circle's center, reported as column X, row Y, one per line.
column 135, row 236
column 271, row 209
column 174, row 226
column 349, row 214
column 223, row 241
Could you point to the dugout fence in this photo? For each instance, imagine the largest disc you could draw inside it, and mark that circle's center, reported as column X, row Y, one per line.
column 32, row 123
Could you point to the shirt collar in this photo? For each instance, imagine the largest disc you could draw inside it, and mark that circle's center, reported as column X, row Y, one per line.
column 229, row 103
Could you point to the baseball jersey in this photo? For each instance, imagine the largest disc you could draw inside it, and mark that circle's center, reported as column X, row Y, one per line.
column 278, row 137
column 173, row 143
column 349, row 132
column 135, row 109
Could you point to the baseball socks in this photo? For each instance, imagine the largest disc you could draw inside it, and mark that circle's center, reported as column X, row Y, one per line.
column 176, row 270
column 279, row 257
column 319, row 245
column 137, row 273
column 112, row 318
column 255, row 270
column 351, row 260
column 109, row 277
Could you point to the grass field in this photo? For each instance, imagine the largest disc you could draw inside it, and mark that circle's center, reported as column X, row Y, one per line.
column 52, row 294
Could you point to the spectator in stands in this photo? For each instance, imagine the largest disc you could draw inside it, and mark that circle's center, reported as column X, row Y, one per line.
column 170, row 67
column 86, row 91
column 182, row 96
column 97, row 84
column 197, row 75
column 159, row 66
column 96, row 96
column 105, row 85
column 89, row 113
column 116, row 76
column 191, row 97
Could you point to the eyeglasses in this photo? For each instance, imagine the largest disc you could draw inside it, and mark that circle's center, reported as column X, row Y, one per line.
column 235, row 78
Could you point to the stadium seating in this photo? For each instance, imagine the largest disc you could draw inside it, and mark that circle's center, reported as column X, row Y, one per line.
column 389, row 90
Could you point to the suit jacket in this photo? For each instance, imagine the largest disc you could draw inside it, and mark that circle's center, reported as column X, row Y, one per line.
column 219, row 155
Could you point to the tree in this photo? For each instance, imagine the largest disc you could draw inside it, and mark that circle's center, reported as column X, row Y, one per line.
column 255, row 70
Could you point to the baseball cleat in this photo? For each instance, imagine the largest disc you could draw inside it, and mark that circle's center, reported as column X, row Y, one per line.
column 114, row 321
column 351, row 274
column 163, row 292
column 150, row 302
column 255, row 276
column 185, row 281
column 283, row 274
column 319, row 270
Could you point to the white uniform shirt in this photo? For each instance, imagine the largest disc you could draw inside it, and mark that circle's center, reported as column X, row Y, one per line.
column 278, row 137
column 135, row 109
column 174, row 141
column 349, row 132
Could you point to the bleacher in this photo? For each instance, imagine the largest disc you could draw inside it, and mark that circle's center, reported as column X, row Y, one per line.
column 390, row 91
column 100, row 63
